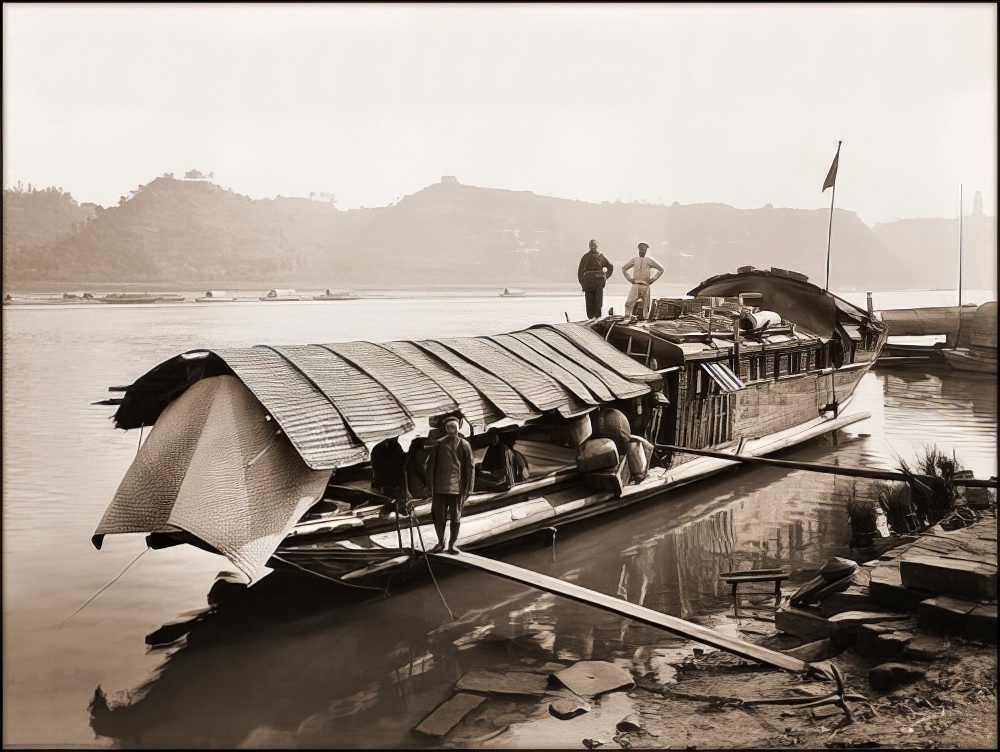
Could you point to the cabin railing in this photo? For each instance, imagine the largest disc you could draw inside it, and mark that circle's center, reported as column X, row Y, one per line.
column 705, row 421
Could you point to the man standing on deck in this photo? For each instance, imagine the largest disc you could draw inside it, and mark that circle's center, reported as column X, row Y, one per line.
column 645, row 270
column 450, row 475
column 592, row 272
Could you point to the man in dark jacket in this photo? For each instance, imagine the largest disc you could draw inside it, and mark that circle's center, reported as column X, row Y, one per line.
column 450, row 475
column 593, row 271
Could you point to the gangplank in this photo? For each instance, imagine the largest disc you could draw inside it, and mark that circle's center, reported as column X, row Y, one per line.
column 635, row 612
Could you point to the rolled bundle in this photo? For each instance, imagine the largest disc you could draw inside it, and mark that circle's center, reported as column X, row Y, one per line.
column 751, row 322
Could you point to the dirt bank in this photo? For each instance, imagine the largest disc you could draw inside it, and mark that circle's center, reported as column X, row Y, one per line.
column 708, row 705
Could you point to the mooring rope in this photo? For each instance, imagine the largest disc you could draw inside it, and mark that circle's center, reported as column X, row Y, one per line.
column 430, row 569
column 91, row 598
column 323, row 576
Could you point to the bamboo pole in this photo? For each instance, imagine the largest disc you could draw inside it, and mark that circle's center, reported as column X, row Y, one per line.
column 818, row 467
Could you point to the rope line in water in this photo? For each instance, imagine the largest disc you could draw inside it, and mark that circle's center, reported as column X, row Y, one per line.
column 91, row 598
column 430, row 569
column 323, row 576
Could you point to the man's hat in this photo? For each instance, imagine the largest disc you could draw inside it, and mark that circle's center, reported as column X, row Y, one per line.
column 452, row 419
column 643, row 246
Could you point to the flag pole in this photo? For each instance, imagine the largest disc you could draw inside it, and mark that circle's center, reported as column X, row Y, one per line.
column 831, row 182
column 961, row 212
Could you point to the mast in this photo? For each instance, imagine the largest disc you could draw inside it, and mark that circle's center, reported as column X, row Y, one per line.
column 831, row 182
column 958, row 334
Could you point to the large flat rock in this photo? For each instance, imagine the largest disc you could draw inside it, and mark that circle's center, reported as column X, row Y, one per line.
column 944, row 613
column 504, row 682
column 886, row 588
column 448, row 714
column 802, row 623
column 949, row 576
column 593, row 678
column 844, row 627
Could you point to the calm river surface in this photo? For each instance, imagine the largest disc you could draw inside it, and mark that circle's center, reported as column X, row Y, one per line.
column 292, row 663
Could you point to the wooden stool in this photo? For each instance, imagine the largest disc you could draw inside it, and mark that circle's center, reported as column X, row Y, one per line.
column 755, row 575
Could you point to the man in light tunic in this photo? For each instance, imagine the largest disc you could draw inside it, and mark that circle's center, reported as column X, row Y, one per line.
column 642, row 271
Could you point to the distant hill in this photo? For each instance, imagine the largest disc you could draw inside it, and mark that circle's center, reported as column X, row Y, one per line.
column 929, row 249
column 35, row 218
column 194, row 233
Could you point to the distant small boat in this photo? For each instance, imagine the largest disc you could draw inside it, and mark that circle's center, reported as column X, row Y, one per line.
column 278, row 295
column 336, row 295
column 510, row 292
column 215, row 296
column 130, row 297
column 976, row 359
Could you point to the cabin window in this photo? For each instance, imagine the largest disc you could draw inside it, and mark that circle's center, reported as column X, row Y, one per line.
column 795, row 362
column 703, row 382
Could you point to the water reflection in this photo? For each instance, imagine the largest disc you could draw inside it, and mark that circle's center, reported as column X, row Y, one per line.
column 290, row 663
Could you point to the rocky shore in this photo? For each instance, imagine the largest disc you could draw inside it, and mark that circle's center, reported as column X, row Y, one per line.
column 911, row 634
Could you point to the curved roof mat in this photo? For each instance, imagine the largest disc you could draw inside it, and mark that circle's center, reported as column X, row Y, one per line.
column 539, row 389
column 473, row 405
column 501, row 394
column 315, row 427
column 622, row 388
column 557, row 371
column 596, row 387
column 597, row 347
column 371, row 412
column 419, row 395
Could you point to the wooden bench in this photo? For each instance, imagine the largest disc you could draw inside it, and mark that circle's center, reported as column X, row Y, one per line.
column 735, row 579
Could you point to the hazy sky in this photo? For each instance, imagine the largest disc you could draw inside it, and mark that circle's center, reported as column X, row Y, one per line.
column 737, row 104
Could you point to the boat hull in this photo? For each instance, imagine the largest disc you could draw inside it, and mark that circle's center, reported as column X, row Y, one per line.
column 378, row 558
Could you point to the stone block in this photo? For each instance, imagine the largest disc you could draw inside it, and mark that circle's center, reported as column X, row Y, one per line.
column 818, row 650
column 926, row 648
column 855, row 598
column 886, row 589
column 981, row 624
column 505, row 682
column 944, row 613
column 940, row 574
column 808, row 625
column 879, row 643
column 448, row 714
column 844, row 627
column 593, row 678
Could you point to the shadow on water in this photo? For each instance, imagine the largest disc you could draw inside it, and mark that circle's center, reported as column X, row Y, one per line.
column 293, row 662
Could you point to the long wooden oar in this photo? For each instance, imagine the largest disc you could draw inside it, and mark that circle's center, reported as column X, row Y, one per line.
column 818, row 467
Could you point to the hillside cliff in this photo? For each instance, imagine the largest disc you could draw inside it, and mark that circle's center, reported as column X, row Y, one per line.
column 192, row 232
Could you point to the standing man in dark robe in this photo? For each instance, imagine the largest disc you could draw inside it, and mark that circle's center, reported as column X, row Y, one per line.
column 593, row 272
column 450, row 474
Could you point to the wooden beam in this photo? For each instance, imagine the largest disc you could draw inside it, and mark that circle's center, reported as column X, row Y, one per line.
column 818, row 467
column 632, row 611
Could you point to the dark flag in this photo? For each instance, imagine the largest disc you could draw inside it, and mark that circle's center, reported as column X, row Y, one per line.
column 831, row 176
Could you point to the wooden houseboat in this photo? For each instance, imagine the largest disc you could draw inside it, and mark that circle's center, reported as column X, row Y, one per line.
column 264, row 454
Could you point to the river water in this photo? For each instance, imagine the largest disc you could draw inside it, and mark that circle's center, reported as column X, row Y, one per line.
column 296, row 663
